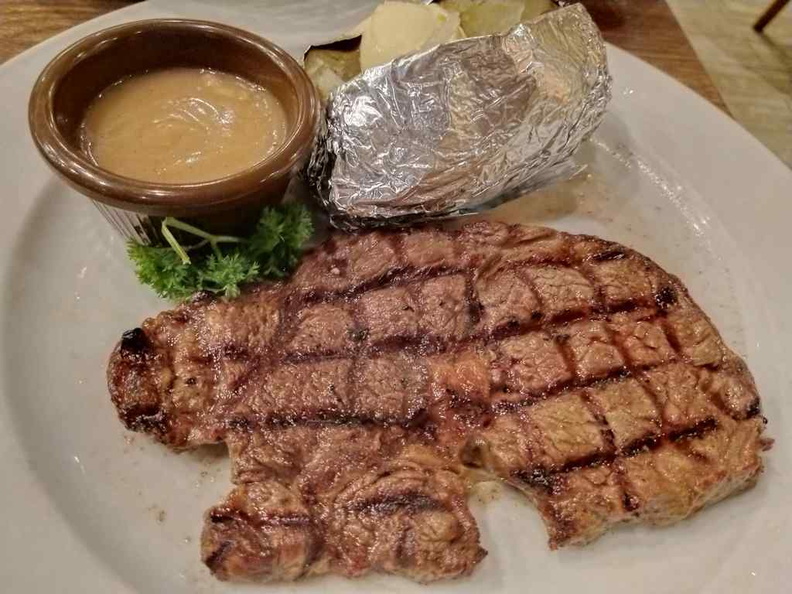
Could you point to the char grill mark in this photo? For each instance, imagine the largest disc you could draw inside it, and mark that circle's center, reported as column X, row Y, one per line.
column 353, row 397
column 410, row 502
column 134, row 341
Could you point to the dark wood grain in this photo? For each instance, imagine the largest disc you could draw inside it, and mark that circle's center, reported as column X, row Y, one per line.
column 645, row 28
column 24, row 23
column 769, row 14
column 649, row 30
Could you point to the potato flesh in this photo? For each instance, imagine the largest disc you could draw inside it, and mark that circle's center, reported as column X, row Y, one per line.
column 396, row 29
column 399, row 28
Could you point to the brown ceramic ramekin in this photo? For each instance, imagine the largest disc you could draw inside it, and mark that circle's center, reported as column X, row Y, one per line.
column 75, row 77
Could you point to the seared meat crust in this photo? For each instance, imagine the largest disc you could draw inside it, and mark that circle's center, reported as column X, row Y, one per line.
column 356, row 398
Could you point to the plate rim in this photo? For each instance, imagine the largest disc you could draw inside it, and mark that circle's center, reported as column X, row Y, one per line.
column 14, row 457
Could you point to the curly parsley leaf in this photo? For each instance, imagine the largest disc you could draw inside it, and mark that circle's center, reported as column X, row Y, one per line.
column 162, row 269
column 224, row 273
column 277, row 242
column 222, row 264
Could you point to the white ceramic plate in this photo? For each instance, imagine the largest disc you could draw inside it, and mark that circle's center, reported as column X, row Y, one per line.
column 88, row 508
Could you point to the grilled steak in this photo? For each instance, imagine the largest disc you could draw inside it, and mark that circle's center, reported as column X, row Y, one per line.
column 356, row 398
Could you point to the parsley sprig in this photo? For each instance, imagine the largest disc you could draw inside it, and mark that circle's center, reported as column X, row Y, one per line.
column 222, row 263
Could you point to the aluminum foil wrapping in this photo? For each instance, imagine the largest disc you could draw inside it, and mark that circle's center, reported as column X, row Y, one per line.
column 462, row 126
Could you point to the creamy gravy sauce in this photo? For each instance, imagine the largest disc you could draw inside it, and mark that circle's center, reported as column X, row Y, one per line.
column 182, row 125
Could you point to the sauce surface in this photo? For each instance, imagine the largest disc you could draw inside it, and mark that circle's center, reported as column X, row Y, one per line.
column 182, row 125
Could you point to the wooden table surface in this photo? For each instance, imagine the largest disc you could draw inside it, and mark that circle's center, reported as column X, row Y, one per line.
column 645, row 28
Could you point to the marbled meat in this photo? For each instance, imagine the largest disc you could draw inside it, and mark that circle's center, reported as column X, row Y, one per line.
column 361, row 398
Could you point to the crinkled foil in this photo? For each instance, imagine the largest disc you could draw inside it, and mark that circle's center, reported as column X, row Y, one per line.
column 463, row 126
